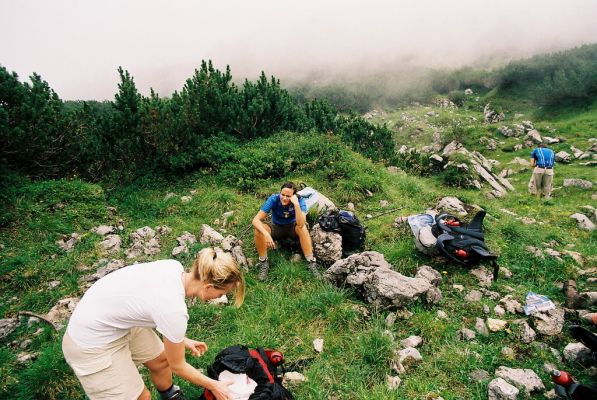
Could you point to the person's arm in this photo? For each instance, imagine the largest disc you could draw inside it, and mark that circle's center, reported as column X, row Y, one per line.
column 260, row 226
column 533, row 159
column 179, row 366
column 300, row 216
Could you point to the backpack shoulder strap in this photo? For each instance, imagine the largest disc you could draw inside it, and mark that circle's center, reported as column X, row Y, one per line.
column 477, row 222
column 257, row 355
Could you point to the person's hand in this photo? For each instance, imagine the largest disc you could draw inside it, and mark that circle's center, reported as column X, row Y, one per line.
column 294, row 200
column 220, row 390
column 269, row 241
column 197, row 348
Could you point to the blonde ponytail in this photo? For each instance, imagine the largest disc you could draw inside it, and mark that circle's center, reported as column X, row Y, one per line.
column 214, row 266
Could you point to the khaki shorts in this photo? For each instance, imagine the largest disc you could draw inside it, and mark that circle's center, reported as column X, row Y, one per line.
column 111, row 372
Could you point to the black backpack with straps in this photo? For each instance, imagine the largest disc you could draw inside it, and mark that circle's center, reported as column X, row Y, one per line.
column 461, row 243
column 348, row 226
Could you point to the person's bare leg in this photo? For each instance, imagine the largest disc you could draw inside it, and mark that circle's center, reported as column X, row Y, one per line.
column 260, row 243
column 305, row 240
column 160, row 372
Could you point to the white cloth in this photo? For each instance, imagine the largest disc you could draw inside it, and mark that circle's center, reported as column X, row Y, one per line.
column 141, row 295
column 243, row 386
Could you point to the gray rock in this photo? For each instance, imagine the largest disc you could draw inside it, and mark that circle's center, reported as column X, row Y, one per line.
column 294, row 378
column 7, row 326
column 327, row 246
column 527, row 334
column 384, row 203
column 372, row 276
column 67, row 243
column 451, row 204
column 534, row 136
column 411, row 341
column 62, row 310
column 406, row 358
column 563, row 157
column 583, row 222
column 577, row 353
column 496, row 325
column 499, row 389
column 549, row 322
column 102, row 268
column 525, row 379
column 111, row 244
column 511, row 305
column 429, row 274
column 169, row 195
column 318, row 345
column 466, row 334
column 508, row 353
column 393, row 382
column 390, row 319
column 481, row 327
column 499, row 311
column 441, row 314
column 103, row 230
column 580, row 183
column 433, row 295
column 490, row 116
column 210, row 236
column 484, row 276
column 473, row 296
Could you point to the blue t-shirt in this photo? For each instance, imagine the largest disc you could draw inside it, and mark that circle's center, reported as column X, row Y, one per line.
column 544, row 157
column 282, row 215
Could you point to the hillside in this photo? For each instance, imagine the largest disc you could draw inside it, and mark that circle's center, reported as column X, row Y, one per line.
column 291, row 309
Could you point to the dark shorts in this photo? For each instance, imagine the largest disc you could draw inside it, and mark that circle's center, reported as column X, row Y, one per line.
column 283, row 231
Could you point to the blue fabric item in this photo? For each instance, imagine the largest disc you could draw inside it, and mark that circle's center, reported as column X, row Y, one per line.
column 544, row 157
column 282, row 215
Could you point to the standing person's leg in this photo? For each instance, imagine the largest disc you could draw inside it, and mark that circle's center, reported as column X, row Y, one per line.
column 538, row 178
column 547, row 183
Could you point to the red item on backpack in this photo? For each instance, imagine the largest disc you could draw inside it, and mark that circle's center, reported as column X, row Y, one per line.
column 561, row 378
column 461, row 253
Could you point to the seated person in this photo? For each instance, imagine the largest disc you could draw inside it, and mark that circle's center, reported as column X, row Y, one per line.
column 288, row 221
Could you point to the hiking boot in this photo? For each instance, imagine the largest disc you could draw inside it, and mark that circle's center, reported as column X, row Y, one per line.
column 313, row 269
column 263, row 269
column 175, row 394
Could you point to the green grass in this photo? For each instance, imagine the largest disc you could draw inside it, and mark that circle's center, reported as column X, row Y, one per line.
column 290, row 310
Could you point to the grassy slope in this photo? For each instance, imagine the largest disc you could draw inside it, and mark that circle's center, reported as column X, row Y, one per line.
column 290, row 310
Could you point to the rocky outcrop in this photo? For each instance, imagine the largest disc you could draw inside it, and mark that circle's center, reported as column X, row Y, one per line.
column 327, row 246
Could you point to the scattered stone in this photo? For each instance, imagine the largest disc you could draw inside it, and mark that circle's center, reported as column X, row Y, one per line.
column 186, row 199
column 103, row 267
column 486, row 309
column 210, row 236
column 451, row 204
column 294, row 378
column 403, row 314
column 429, row 274
column 350, row 206
column 484, row 276
column 393, row 169
column 511, row 305
column 563, row 157
column 459, row 288
column 583, row 222
column 24, row 357
column 169, row 196
column 144, row 242
column 384, row 203
column 406, row 358
column 466, row 334
column 393, row 382
column 508, row 353
column 103, row 230
column 7, row 326
column 67, row 243
column 163, row 230
column 62, row 310
column 25, row 343
column 32, row 321
column 489, row 293
column 390, row 319
column 528, row 220
column 481, row 327
column 496, row 325
column 527, row 334
column 534, row 136
column 577, row 353
column 185, row 241
column 411, row 341
column 473, row 296
column 490, row 116
column 441, row 314
column 479, row 375
column 549, row 322
column 327, row 246
column 499, row 311
column 580, row 183
column 525, row 379
column 296, row 257
column 220, row 301
column 433, row 295
column 111, row 244
column 499, row 389
column 373, row 277
column 318, row 345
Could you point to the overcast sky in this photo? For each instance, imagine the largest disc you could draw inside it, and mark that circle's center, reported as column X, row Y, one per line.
column 77, row 45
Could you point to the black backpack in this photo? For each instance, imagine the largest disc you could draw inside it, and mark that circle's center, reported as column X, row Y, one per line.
column 348, row 226
column 461, row 243
column 259, row 364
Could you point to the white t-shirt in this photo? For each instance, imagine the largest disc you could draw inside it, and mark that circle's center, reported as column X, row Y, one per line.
column 141, row 295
